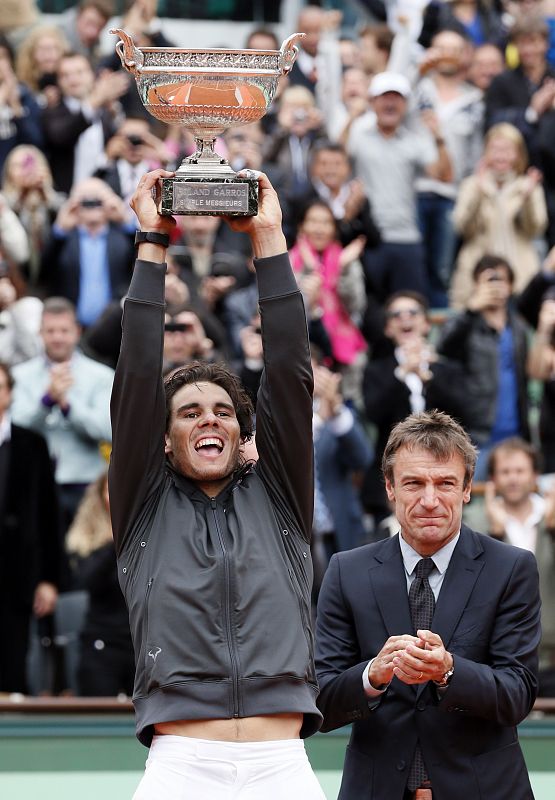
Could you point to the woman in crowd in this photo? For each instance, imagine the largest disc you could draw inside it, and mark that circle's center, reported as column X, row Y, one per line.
column 106, row 663
column 28, row 188
column 500, row 209
column 37, row 61
column 318, row 251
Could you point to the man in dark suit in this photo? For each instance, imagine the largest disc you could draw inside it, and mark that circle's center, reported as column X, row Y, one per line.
column 427, row 642
column 30, row 547
column 77, row 128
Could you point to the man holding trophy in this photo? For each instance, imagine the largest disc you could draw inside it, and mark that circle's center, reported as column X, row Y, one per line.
column 214, row 552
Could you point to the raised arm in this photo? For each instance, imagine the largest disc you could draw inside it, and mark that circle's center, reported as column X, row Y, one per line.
column 138, row 406
column 284, row 406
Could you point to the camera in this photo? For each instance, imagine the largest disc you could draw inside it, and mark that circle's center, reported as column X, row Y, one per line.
column 180, row 327
column 135, row 140
column 91, row 202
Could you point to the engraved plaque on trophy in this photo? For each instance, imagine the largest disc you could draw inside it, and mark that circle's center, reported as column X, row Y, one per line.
column 207, row 91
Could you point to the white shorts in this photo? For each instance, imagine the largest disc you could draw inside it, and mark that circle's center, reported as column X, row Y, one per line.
column 182, row 768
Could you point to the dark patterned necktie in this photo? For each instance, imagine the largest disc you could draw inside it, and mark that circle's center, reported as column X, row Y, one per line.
column 422, row 604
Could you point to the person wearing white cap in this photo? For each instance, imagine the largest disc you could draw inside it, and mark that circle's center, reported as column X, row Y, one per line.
column 388, row 157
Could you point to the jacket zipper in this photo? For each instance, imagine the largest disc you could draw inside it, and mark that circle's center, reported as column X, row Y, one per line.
column 227, row 614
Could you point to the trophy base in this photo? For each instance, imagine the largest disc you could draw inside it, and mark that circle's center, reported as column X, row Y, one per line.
column 215, row 197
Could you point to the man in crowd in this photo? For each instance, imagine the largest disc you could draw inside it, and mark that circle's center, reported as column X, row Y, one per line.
column 489, row 341
column 427, row 641
column 30, row 544
column 65, row 396
column 517, row 514
column 214, row 554
column 411, row 378
column 89, row 256
column 387, row 158
column 83, row 26
column 458, row 108
column 77, row 128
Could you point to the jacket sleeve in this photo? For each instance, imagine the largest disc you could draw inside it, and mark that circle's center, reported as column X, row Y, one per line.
column 284, row 405
column 138, row 405
column 504, row 689
column 339, row 663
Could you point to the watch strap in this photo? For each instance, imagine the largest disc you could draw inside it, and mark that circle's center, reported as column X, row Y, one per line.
column 152, row 237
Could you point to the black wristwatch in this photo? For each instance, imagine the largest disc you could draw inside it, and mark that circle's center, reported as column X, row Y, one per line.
column 162, row 239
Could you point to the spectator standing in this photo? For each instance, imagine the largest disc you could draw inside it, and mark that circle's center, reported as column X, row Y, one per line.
column 30, row 544
column 388, row 157
column 65, row 396
column 106, row 664
column 517, row 514
column 37, row 62
column 500, row 209
column 28, row 188
column 319, row 252
column 524, row 95
column 412, row 378
column 490, row 342
column 14, row 244
column 77, row 128
column 541, row 366
column 83, row 26
column 341, row 451
column 20, row 318
column 299, row 127
column 458, row 108
column 486, row 63
column 19, row 112
column 331, row 180
column 89, row 256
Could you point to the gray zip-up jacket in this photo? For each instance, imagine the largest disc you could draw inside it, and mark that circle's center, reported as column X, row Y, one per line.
column 218, row 589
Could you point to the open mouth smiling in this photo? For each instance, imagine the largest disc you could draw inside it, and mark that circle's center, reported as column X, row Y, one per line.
column 209, row 446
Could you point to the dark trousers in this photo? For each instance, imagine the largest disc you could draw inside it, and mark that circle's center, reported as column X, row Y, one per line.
column 439, row 240
column 105, row 669
column 14, row 626
column 393, row 267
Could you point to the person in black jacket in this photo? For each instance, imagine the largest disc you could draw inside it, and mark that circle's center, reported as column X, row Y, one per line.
column 30, row 540
column 214, row 553
column 106, row 663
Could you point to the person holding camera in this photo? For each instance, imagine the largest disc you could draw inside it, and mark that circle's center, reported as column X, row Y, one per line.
column 89, row 257
column 490, row 341
column 132, row 152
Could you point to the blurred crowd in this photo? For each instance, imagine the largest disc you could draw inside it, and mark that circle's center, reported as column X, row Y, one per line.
column 414, row 156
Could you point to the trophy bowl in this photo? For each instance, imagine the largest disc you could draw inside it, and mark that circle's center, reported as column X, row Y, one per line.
column 207, row 91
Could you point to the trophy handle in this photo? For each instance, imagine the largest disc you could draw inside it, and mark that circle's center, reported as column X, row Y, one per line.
column 130, row 56
column 288, row 52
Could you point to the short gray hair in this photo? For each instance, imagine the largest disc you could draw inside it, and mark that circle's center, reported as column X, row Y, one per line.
column 435, row 432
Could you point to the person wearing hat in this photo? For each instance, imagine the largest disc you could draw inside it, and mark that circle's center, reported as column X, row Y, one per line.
column 388, row 156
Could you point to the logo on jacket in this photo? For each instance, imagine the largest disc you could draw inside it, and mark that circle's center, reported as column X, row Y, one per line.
column 154, row 653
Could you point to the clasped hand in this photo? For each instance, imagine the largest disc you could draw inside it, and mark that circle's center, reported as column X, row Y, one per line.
column 411, row 659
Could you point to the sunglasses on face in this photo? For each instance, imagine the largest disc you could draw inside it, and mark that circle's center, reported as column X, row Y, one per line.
column 405, row 312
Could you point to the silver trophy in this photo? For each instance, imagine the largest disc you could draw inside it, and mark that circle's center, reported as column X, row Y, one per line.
column 207, row 91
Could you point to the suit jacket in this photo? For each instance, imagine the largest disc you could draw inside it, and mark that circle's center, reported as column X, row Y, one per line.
column 30, row 542
column 387, row 402
column 60, row 266
column 62, row 129
column 488, row 616
column 73, row 440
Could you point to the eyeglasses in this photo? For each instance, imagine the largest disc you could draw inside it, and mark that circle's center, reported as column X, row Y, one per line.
column 402, row 312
